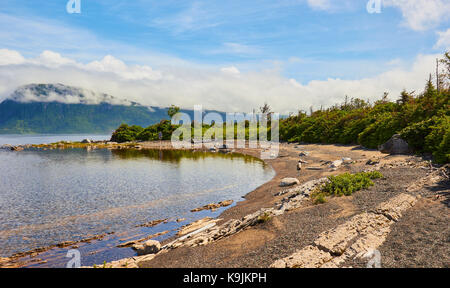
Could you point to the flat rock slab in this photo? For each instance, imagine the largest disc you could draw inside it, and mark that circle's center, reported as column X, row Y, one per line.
column 148, row 247
column 308, row 257
column 289, row 182
column 355, row 238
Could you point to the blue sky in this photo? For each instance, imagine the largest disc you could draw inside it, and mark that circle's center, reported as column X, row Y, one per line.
column 300, row 40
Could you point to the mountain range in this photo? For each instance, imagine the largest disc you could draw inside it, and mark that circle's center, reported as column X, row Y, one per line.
column 61, row 109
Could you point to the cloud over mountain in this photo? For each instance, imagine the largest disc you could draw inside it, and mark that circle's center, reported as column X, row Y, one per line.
column 221, row 88
column 64, row 94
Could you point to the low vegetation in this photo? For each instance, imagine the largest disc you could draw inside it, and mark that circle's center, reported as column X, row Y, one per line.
column 423, row 120
column 264, row 218
column 344, row 185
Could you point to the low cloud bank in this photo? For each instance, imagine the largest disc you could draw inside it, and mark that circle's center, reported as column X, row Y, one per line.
column 224, row 88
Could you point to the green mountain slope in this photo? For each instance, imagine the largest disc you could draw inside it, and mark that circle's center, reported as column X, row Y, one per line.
column 57, row 108
column 57, row 118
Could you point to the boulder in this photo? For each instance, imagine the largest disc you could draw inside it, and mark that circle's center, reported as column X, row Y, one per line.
column 88, row 141
column 289, row 182
column 303, row 154
column 336, row 164
column 395, row 145
column 347, row 160
column 148, row 247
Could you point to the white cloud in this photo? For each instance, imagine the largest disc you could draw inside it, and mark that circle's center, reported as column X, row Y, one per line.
column 444, row 40
column 113, row 65
column 332, row 5
column 236, row 49
column 418, row 15
column 230, row 70
column 320, row 4
column 52, row 59
column 212, row 88
column 8, row 57
column 421, row 14
column 193, row 17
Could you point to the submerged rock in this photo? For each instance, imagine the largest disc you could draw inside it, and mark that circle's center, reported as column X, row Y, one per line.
column 213, row 206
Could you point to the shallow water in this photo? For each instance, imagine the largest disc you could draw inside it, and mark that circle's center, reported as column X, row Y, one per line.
column 48, row 197
column 46, row 139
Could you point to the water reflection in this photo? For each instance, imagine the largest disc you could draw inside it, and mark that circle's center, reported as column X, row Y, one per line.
column 175, row 156
column 48, row 197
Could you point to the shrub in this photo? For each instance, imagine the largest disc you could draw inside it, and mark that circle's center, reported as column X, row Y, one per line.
column 421, row 120
column 416, row 133
column 438, row 141
column 126, row 133
column 319, row 198
column 264, row 217
column 380, row 131
column 346, row 184
column 432, row 136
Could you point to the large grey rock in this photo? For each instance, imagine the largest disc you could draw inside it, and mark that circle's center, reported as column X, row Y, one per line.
column 289, row 182
column 148, row 247
column 336, row 164
column 395, row 145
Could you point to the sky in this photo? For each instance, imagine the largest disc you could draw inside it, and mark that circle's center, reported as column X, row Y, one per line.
column 225, row 55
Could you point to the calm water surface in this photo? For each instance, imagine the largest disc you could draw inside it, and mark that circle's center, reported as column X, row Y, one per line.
column 48, row 197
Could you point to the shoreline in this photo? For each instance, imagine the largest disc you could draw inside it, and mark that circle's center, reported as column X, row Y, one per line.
column 29, row 258
column 241, row 233
column 268, row 193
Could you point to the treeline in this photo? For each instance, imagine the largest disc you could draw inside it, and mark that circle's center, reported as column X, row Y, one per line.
column 423, row 120
column 127, row 133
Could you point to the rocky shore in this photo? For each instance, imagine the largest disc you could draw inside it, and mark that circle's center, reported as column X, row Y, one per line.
column 208, row 242
column 277, row 225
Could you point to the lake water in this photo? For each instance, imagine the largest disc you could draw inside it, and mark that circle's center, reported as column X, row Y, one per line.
column 48, row 197
column 46, row 139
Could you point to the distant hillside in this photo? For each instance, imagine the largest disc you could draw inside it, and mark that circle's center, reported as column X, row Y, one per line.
column 56, row 109
column 61, row 109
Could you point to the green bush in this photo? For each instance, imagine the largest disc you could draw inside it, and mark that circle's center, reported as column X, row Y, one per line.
column 416, row 133
column 422, row 121
column 126, row 133
column 319, row 198
column 431, row 136
column 438, row 141
column 346, row 184
column 379, row 132
column 151, row 133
